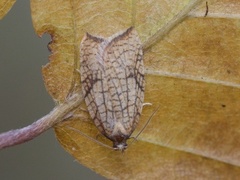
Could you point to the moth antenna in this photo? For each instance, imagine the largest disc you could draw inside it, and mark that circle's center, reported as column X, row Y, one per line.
column 135, row 138
column 89, row 137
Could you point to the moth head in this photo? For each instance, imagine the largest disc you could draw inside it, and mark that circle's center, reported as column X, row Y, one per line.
column 119, row 142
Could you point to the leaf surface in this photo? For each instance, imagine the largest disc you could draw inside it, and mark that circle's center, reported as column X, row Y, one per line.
column 192, row 74
column 5, row 6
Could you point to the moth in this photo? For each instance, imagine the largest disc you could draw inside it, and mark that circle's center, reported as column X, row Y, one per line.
column 112, row 78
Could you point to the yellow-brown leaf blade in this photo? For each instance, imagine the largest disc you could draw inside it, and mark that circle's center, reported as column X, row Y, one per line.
column 5, row 6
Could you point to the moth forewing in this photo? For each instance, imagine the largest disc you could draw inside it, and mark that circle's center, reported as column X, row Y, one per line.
column 112, row 77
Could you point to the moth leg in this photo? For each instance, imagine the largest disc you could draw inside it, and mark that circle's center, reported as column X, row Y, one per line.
column 98, row 135
column 78, row 70
column 76, row 115
column 83, row 109
column 81, row 117
column 147, row 104
column 67, row 116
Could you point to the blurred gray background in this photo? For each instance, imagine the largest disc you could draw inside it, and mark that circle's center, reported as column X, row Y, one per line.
column 23, row 99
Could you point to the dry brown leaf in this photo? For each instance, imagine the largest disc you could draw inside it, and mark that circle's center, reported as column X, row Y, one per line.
column 193, row 74
column 5, row 6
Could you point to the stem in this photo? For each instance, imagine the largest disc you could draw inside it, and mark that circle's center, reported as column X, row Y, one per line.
column 18, row 136
column 161, row 33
